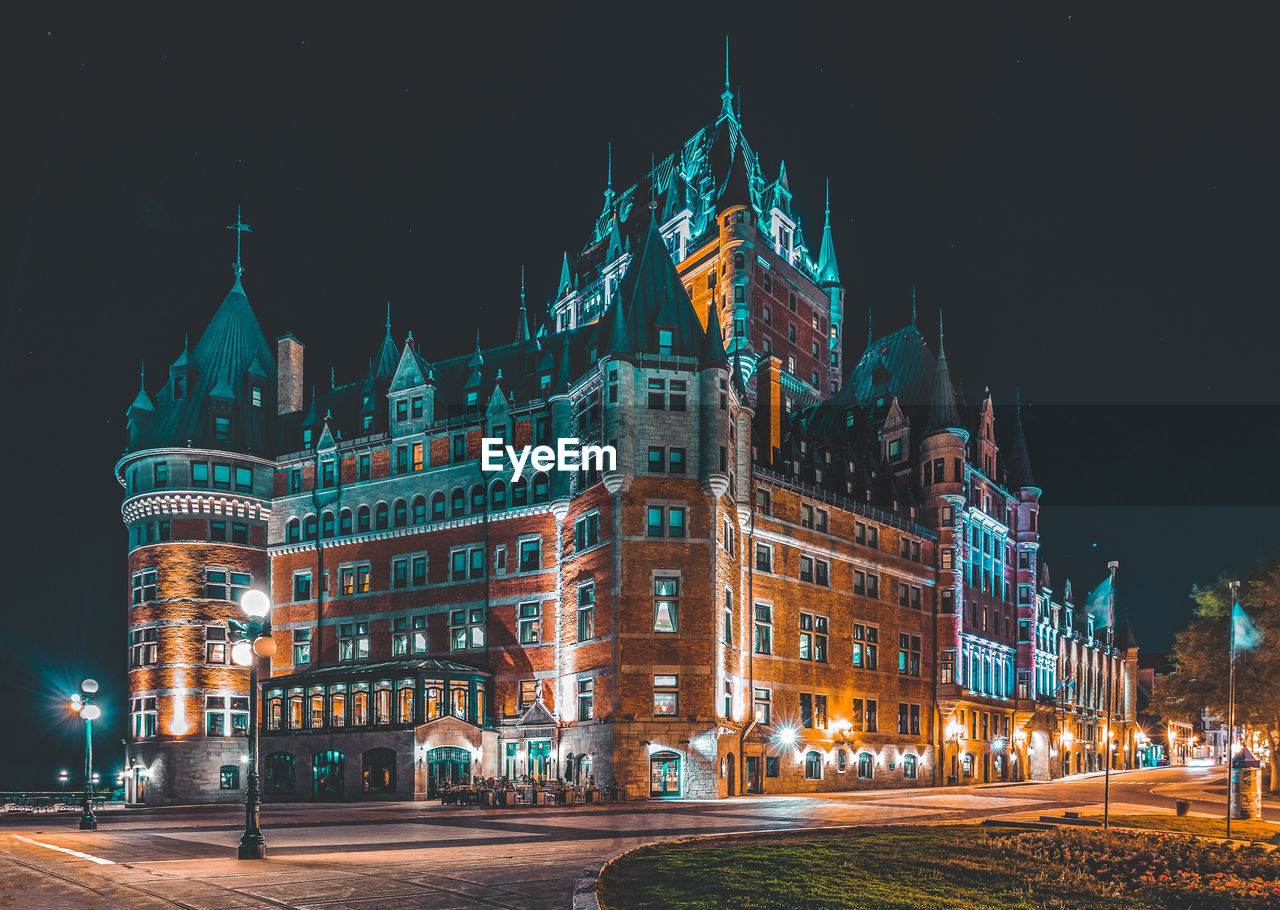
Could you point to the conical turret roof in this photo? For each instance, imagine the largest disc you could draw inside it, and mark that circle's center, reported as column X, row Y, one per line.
column 737, row 188
column 713, row 353
column 388, row 355
column 944, row 412
column 828, row 271
column 654, row 299
column 1018, row 460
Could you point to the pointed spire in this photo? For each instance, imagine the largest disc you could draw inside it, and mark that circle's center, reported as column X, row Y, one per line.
column 944, row 414
column 388, row 356
column 239, row 227
column 608, row 190
column 143, row 401
column 185, row 357
column 783, row 182
column 726, row 97
column 713, row 353
column 566, row 277
column 333, row 378
column 477, row 359
column 828, row 271
column 522, row 327
column 913, row 304
column 1018, row 459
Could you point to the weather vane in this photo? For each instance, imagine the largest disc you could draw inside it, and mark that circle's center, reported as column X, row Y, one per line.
column 239, row 227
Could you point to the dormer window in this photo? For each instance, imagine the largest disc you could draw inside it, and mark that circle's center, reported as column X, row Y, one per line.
column 255, row 396
column 665, row 341
column 222, row 428
column 402, row 409
column 473, row 399
column 895, row 449
column 306, row 439
column 179, row 387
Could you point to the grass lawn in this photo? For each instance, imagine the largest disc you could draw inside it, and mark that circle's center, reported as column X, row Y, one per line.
column 1252, row 829
column 914, row 868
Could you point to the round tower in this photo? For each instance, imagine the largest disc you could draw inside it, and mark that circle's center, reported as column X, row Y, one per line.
column 197, row 477
column 736, row 218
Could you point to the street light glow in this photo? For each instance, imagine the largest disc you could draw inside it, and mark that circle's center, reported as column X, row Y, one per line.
column 256, row 604
column 242, row 654
column 788, row 735
column 90, row 712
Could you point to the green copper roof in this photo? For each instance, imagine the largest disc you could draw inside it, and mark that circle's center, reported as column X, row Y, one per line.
column 654, row 299
column 828, row 271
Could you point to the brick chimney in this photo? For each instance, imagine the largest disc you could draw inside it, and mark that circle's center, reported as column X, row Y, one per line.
column 769, row 407
column 288, row 374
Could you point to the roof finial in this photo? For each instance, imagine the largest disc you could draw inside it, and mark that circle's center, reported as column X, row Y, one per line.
column 388, row 317
column 608, row 190
column 828, row 199
column 726, row 63
column 522, row 286
column 726, row 97
column 333, row 378
column 913, row 304
column 239, row 227
column 941, row 345
column 142, row 374
column 868, row 326
column 653, row 182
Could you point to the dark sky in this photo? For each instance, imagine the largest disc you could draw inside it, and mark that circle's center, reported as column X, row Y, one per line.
column 1089, row 196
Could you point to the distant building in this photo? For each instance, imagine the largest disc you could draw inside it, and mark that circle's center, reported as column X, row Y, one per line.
column 797, row 577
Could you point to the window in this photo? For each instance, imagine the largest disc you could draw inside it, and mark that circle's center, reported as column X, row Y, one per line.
column 910, row 768
column 531, row 555
column 666, row 695
column 326, row 525
column 362, row 519
column 380, row 516
column 162, row 473
column 400, row 515
column 400, row 573
column 657, row 460
column 727, row 536
column 666, row 604
column 215, row 645
column 143, row 717
column 586, row 611
column 764, row 558
column 302, row 646
column 530, row 614
column 419, row 566
column 764, row 629
column 665, row 338
column 763, row 700
column 402, row 409
column 222, row 428
column 813, row 765
column 866, row 646
column 586, row 698
column 144, row 586
column 728, row 617
column 771, row 766
column 528, row 692
column 866, row 766
column 143, row 644
column 806, row 568
column 200, row 475
column 908, row 654
column 353, row 641
column 363, row 469
column 675, row 460
column 222, row 585
column 229, row 777
column 586, row 531
column 466, row 629
column 218, row 530
column 813, row 637
column 822, row 572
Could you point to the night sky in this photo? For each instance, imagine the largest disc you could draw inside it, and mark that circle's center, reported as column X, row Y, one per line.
column 1090, row 199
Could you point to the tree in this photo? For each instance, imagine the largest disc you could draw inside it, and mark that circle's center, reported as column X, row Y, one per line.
column 1201, row 660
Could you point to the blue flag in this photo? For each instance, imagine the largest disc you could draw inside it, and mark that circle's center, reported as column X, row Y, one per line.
column 1245, row 634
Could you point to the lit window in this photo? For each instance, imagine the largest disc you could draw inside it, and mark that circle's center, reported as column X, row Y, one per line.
column 666, row 605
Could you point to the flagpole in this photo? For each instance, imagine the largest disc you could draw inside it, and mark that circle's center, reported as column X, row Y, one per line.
column 1231, row 698
column 1106, row 739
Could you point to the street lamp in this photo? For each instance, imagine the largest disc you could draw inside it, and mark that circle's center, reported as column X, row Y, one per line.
column 82, row 704
column 255, row 641
column 63, row 777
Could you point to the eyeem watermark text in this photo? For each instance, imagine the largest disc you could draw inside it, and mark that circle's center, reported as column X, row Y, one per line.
column 566, row 456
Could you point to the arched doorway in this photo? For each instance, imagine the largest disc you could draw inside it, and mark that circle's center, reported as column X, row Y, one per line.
column 327, row 771
column 664, row 774
column 280, row 774
column 378, row 774
column 447, row 766
column 731, row 777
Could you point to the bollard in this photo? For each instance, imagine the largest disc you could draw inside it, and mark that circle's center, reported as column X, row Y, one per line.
column 1181, row 807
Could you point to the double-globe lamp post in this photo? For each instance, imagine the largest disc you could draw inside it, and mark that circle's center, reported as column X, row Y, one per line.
column 82, row 703
column 255, row 641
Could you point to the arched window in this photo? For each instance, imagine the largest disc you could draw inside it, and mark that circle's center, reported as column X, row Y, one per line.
column 909, row 767
column 437, row 506
column 401, row 513
column 520, row 492
column 866, row 765
column 967, row 764
column 309, row 527
column 541, row 488
column 380, row 516
column 362, row 519
column 739, row 260
column 419, row 509
column 344, row 522
column 378, row 771
column 477, row 499
column 813, row 766
column 326, row 524
column 498, row 496
column 292, row 531
column 457, row 503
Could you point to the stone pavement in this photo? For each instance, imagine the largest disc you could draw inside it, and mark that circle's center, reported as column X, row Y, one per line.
column 402, row 855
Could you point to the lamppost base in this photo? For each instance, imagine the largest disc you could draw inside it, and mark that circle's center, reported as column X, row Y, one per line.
column 252, row 847
column 88, row 823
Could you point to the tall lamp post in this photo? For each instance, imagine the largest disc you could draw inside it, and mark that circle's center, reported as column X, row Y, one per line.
column 1231, row 699
column 255, row 641
column 82, row 703
column 1106, row 740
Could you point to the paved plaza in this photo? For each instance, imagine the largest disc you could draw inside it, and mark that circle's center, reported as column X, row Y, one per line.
column 421, row 855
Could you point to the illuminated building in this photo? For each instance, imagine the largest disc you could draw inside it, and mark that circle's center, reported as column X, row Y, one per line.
column 796, row 579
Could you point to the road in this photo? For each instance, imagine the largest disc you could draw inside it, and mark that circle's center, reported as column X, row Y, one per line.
column 402, row 855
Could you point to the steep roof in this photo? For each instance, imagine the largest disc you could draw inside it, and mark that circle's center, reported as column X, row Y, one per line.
column 219, row 366
column 828, row 271
column 388, row 355
column 653, row 297
column 944, row 410
column 1018, row 460
column 737, row 186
